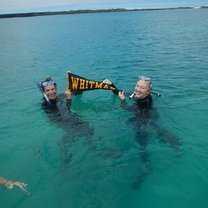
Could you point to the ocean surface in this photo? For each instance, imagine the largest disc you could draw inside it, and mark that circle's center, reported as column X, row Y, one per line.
column 171, row 47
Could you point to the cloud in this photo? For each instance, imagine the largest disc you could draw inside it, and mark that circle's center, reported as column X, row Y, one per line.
column 55, row 5
column 26, row 4
column 31, row 5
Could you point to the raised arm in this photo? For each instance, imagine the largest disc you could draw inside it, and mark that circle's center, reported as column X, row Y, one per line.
column 124, row 106
column 68, row 95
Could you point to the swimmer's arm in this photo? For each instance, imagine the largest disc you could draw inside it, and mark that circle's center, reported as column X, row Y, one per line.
column 68, row 103
column 68, row 95
column 164, row 134
column 122, row 97
column 9, row 184
column 124, row 106
column 170, row 138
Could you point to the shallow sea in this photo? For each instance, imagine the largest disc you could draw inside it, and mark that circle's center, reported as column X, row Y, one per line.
column 171, row 47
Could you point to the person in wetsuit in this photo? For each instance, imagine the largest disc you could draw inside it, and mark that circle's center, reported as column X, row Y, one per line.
column 57, row 108
column 145, row 114
column 144, row 122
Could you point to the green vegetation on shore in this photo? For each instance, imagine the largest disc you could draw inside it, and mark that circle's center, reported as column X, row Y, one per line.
column 32, row 14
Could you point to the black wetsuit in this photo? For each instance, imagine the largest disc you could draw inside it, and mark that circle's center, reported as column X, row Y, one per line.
column 143, row 120
column 144, row 123
column 59, row 113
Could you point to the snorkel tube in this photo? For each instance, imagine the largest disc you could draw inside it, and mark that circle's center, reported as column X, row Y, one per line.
column 132, row 96
column 44, row 95
column 154, row 93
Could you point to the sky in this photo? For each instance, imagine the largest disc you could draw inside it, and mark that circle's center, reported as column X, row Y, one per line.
column 23, row 6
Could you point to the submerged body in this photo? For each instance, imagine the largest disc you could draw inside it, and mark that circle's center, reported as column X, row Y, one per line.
column 58, row 111
column 60, row 115
column 145, row 125
column 144, row 122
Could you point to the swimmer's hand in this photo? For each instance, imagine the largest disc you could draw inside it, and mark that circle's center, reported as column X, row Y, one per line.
column 107, row 81
column 68, row 94
column 9, row 184
column 67, row 74
column 121, row 95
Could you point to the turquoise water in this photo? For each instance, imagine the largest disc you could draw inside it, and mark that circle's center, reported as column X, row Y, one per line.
column 169, row 46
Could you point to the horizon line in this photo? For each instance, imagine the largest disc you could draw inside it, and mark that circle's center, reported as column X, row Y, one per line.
column 79, row 11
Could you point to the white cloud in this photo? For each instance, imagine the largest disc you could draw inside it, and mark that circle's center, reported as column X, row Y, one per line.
column 53, row 5
column 23, row 4
column 31, row 5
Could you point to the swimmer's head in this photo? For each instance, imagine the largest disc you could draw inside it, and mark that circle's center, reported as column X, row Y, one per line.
column 143, row 87
column 49, row 88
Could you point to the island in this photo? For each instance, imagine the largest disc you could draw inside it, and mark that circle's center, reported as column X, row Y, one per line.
column 33, row 14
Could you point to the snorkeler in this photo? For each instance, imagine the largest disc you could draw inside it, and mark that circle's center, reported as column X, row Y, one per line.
column 57, row 108
column 144, row 121
column 9, row 184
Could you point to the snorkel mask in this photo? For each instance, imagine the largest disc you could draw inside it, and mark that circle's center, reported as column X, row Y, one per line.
column 147, row 79
column 44, row 84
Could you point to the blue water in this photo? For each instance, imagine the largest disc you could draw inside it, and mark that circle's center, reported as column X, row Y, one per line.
column 171, row 47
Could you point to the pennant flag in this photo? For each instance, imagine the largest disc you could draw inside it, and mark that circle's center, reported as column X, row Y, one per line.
column 77, row 83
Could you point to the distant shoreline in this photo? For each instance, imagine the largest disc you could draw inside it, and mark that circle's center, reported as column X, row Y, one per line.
column 34, row 14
